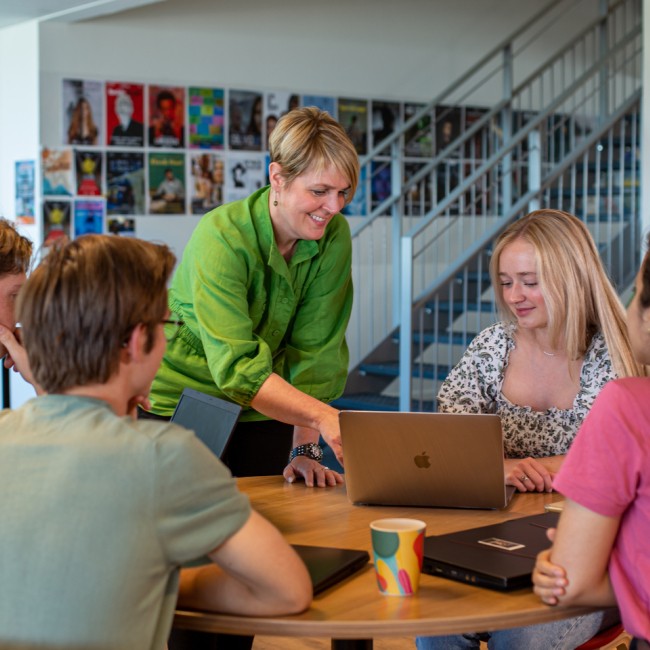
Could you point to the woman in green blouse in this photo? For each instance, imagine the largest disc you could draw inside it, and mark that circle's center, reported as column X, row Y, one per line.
column 264, row 290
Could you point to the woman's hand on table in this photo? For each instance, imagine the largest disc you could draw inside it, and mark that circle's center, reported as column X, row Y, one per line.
column 528, row 475
column 312, row 472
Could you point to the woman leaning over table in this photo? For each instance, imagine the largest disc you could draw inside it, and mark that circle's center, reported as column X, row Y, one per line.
column 561, row 339
column 265, row 292
column 600, row 553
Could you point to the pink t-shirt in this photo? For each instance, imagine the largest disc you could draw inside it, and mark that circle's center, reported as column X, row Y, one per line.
column 607, row 470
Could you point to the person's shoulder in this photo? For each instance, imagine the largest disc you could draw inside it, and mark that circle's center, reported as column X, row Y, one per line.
column 498, row 333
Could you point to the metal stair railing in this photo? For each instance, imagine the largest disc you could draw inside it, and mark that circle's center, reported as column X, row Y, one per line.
column 609, row 156
column 376, row 240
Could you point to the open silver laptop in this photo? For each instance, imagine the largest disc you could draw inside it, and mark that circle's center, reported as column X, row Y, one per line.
column 424, row 459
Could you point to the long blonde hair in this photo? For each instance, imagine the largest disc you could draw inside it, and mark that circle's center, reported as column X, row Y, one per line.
column 579, row 297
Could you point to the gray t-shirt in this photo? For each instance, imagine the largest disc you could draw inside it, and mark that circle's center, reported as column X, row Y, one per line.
column 97, row 514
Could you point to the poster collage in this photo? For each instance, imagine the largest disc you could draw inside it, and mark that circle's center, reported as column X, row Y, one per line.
column 130, row 149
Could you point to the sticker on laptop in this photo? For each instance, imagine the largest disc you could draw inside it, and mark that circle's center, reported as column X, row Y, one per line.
column 502, row 544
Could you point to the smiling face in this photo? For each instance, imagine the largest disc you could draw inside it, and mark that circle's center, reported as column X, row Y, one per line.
column 519, row 285
column 10, row 285
column 306, row 205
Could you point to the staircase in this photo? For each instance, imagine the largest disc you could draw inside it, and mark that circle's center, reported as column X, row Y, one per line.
column 565, row 135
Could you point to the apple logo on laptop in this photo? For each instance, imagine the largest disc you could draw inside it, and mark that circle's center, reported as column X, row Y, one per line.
column 422, row 460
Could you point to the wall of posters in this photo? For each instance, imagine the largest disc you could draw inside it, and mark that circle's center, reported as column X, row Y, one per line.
column 353, row 117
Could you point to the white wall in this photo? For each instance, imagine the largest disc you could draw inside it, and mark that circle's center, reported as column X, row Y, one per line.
column 19, row 110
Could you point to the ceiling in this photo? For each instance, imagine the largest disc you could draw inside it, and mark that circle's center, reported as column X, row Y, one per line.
column 13, row 12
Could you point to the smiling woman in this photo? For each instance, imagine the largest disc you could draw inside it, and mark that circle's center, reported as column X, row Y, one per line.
column 264, row 290
column 562, row 337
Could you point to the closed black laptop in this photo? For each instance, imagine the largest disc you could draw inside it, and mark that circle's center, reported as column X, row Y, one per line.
column 211, row 418
column 499, row 556
column 328, row 566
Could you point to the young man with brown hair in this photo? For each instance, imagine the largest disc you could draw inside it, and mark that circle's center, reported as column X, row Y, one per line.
column 99, row 510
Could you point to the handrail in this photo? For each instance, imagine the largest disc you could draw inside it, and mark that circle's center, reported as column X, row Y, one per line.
column 519, row 136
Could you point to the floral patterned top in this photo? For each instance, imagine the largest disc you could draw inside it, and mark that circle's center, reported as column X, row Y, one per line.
column 474, row 386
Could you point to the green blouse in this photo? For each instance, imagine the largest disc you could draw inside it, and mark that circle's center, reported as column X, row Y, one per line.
column 249, row 313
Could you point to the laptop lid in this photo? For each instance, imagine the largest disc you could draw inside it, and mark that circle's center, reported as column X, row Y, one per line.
column 212, row 419
column 424, row 459
column 499, row 556
column 328, row 566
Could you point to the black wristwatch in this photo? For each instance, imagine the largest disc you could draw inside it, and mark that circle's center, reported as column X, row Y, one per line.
column 311, row 450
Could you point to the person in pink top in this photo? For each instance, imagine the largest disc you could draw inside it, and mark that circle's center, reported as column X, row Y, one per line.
column 600, row 554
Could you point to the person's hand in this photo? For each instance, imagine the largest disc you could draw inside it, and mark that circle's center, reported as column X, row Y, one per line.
column 528, row 475
column 312, row 472
column 134, row 402
column 549, row 579
column 16, row 356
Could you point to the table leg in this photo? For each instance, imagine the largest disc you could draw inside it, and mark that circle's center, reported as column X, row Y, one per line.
column 351, row 644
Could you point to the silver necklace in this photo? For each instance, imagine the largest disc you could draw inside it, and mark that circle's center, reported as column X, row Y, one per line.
column 549, row 354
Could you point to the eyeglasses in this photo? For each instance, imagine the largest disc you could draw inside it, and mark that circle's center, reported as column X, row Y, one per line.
column 171, row 327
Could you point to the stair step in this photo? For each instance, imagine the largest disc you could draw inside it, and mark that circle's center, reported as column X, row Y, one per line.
column 459, row 307
column 429, row 371
column 375, row 402
column 443, row 338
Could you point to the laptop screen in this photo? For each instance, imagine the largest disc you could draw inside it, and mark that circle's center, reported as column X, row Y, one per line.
column 211, row 418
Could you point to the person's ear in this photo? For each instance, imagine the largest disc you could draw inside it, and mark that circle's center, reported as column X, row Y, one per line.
column 133, row 349
column 275, row 176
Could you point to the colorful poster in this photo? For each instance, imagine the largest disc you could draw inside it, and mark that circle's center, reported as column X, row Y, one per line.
column 246, row 174
column 208, row 178
column 124, row 114
column 206, row 117
column 276, row 104
column 82, row 112
column 167, row 116
column 418, row 140
column 88, row 166
column 358, row 206
column 88, row 217
column 124, row 182
column 123, row 226
column 386, row 119
column 167, row 183
column 321, row 101
column 245, row 120
column 56, row 222
column 353, row 117
column 57, row 172
column 25, row 191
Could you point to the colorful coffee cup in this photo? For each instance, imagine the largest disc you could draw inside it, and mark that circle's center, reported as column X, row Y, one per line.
column 397, row 546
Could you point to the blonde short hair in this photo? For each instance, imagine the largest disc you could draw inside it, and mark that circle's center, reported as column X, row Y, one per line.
column 308, row 138
column 579, row 297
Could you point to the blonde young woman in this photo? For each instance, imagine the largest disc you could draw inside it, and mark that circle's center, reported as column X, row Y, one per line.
column 562, row 337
